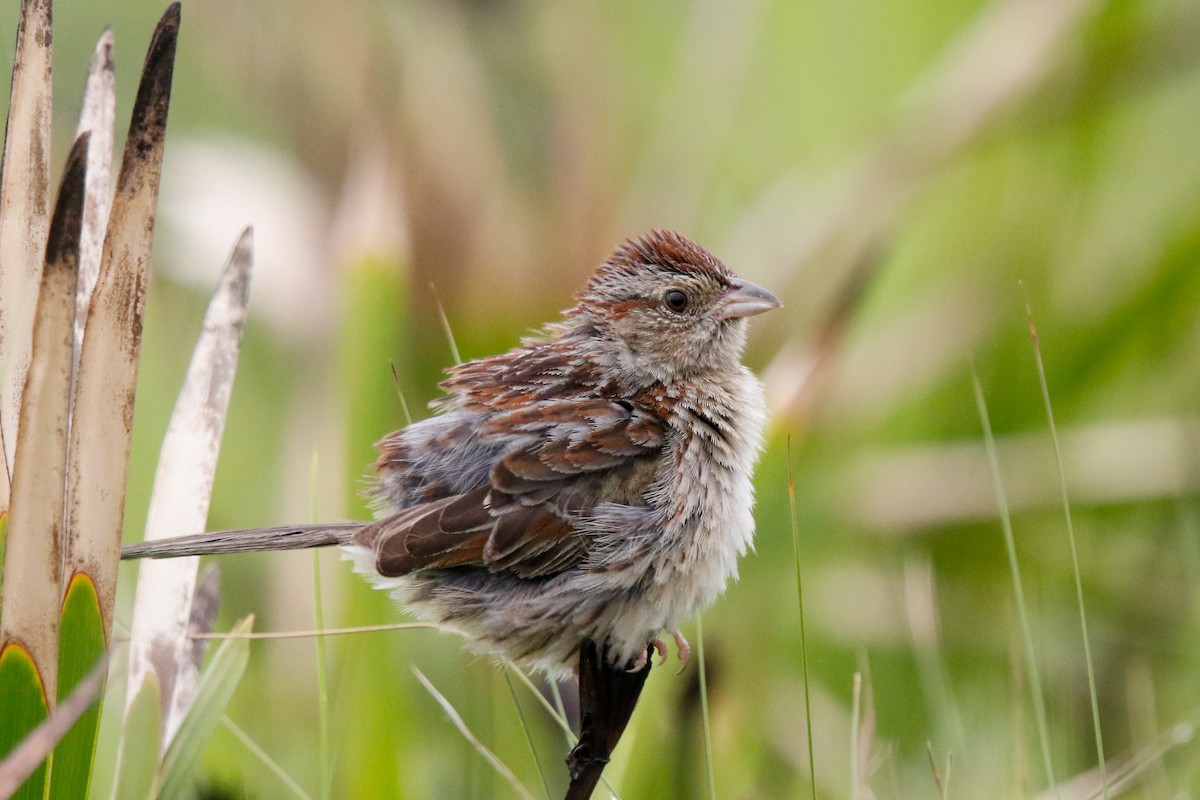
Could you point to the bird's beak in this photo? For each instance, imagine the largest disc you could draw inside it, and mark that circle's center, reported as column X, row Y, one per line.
column 745, row 299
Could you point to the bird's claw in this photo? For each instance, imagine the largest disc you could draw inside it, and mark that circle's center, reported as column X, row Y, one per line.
column 660, row 647
column 644, row 657
column 685, row 650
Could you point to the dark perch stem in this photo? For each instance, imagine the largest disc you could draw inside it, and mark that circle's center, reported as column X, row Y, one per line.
column 608, row 693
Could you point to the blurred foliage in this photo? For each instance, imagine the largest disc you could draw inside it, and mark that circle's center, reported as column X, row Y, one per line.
column 497, row 150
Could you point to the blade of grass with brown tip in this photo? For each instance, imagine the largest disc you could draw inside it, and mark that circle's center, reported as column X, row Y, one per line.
column 183, row 484
column 33, row 564
column 24, row 212
column 29, row 624
column 108, row 364
column 29, row 629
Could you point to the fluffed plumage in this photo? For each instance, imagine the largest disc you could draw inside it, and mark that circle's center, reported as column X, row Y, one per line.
column 593, row 483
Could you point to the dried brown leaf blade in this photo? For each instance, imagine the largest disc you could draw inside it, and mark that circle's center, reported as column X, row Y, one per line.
column 104, row 398
column 96, row 114
column 33, row 558
column 24, row 200
column 183, row 484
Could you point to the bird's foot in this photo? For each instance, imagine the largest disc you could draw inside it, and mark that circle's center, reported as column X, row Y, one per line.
column 639, row 664
column 685, row 649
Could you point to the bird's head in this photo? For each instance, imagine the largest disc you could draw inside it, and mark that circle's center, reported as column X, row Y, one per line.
column 662, row 308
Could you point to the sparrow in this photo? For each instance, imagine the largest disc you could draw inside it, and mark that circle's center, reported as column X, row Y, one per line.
column 592, row 484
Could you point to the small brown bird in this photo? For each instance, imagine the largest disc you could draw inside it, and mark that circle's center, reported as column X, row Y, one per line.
column 592, row 484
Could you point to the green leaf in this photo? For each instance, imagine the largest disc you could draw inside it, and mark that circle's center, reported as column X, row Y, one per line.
column 217, row 683
column 30, row 756
column 81, row 645
column 137, row 759
column 23, row 709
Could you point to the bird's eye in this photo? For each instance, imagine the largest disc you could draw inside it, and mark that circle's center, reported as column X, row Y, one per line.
column 676, row 300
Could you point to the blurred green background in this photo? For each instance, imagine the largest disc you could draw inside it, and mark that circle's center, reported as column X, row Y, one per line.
column 906, row 175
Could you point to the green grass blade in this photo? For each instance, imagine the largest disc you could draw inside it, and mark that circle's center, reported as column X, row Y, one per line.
column 556, row 711
column 1066, row 504
column 709, row 769
column 1035, row 681
column 23, row 709
column 454, row 352
column 512, row 691
column 141, row 732
column 325, row 775
column 323, row 763
column 855, row 724
column 375, row 318
column 456, row 718
column 267, row 761
column 812, row 761
column 81, row 646
column 216, row 686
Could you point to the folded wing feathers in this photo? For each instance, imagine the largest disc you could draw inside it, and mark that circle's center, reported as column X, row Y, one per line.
column 520, row 521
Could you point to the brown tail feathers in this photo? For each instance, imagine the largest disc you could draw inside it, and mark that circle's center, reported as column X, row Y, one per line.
column 291, row 537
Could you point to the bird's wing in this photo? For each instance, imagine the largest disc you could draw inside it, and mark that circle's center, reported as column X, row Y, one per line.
column 557, row 460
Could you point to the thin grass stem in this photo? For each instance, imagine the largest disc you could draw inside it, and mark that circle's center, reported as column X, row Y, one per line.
column 1127, row 774
column 855, row 713
column 1035, row 681
column 557, row 714
column 812, row 761
column 1066, row 504
column 457, row 356
column 323, row 746
column 560, row 710
column 456, row 718
column 268, row 762
column 512, row 691
column 708, row 748
column 399, row 626
column 408, row 420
